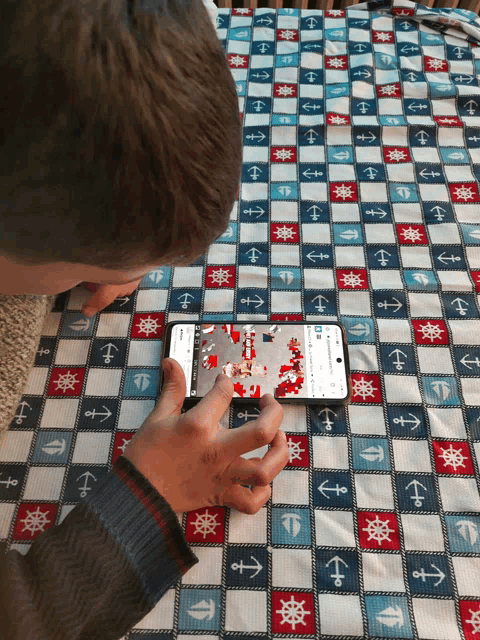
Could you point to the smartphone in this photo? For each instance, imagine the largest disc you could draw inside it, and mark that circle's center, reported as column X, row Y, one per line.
column 296, row 363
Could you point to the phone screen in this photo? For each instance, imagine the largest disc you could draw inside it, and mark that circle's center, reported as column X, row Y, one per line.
column 291, row 361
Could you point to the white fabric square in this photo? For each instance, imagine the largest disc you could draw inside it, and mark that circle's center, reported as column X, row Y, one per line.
column 434, row 192
column 286, row 302
column 379, row 233
column 221, row 253
column 338, row 172
column 349, row 256
column 256, row 532
column 467, row 575
column 345, row 212
column 294, row 418
column 284, row 211
column 318, row 279
column 373, row 491
column 253, row 232
column 411, row 455
column 382, row 572
column 470, row 390
column 245, row 610
column 59, row 413
column 252, row 277
column 142, row 354
column 373, row 192
column 99, row 384
column 363, row 357
column 402, row 389
column 446, row 423
column 416, row 258
column 285, row 255
column 370, row 155
column 72, row 352
column 334, row 528
column 291, row 568
column 44, row 483
column 454, row 280
column 349, row 623
column 468, row 213
column 133, row 413
column 450, row 136
column 290, row 487
column 459, row 494
column 435, row 619
column 422, row 532
column 36, row 381
column 6, row 515
column 366, row 420
column 473, row 253
column 458, row 173
column 330, row 453
column 187, row 277
column 425, row 154
column 92, row 448
column 433, row 360
column 411, row 212
column 425, row 305
column 316, row 233
column 385, row 279
column 394, row 330
column 151, row 300
column 208, row 570
column 161, row 616
column 402, row 172
column 15, row 446
column 354, row 303
column 218, row 300
column 113, row 325
column 465, row 331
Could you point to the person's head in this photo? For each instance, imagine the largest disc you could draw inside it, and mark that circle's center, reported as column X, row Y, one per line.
column 121, row 140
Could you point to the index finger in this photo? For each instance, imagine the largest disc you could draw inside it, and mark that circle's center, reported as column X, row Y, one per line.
column 257, row 433
column 214, row 404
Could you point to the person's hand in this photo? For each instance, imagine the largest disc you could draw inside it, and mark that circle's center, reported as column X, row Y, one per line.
column 193, row 462
column 105, row 294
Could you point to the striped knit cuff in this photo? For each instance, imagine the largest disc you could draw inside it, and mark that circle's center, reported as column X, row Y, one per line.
column 142, row 522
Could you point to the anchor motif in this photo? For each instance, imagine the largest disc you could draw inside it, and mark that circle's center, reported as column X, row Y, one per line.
column 417, row 498
column 337, row 575
column 337, row 489
column 239, row 566
column 327, row 422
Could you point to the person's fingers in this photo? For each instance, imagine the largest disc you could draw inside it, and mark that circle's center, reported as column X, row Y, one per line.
column 245, row 500
column 256, row 433
column 104, row 296
column 213, row 405
column 173, row 391
column 261, row 471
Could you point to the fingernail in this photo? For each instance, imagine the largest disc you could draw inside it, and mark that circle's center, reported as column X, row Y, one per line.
column 284, row 436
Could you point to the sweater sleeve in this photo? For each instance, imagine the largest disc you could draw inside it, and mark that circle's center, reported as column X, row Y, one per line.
column 101, row 570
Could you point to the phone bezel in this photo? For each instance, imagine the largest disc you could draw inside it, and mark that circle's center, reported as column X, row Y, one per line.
column 316, row 401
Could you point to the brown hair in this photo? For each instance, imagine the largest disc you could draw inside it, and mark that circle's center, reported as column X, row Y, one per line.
column 121, row 133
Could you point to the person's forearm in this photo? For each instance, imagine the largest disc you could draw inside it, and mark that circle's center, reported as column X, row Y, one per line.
column 101, row 570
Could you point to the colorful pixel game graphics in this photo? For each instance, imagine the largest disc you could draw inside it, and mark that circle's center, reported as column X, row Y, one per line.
column 259, row 359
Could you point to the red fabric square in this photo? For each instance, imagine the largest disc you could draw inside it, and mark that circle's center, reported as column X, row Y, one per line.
column 464, row 192
column 396, row 154
column 289, row 608
column 336, row 62
column 453, row 457
column 343, row 192
column 285, row 317
column 366, row 388
column 432, row 331
column 403, row 11
column 237, row 61
column 434, row 64
column 411, row 234
column 391, row 90
column 206, row 525
column 66, row 381
column 378, row 530
column 338, row 119
column 120, row 444
column 220, row 277
column 148, row 325
column 352, row 279
column 291, row 35
column 298, row 451
column 284, row 232
column 283, row 154
column 448, row 121
column 334, row 13
column 476, row 278
column 33, row 518
column 470, row 616
column 285, row 90
column 242, row 13
column 383, row 36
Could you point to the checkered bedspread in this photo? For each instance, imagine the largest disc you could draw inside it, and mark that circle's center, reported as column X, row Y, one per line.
column 359, row 202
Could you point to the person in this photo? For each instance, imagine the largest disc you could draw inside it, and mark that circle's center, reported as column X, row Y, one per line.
column 121, row 151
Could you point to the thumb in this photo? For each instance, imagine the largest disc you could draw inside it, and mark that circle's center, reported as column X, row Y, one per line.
column 173, row 391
